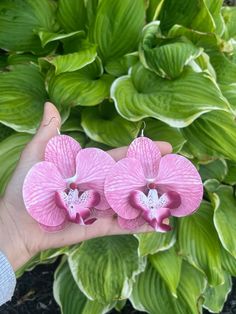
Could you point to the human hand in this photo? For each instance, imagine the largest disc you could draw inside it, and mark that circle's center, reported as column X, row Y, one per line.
column 21, row 237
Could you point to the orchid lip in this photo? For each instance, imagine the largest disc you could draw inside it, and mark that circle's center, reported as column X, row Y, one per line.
column 78, row 207
column 154, row 208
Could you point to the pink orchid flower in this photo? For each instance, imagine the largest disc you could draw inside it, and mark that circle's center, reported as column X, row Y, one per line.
column 147, row 188
column 68, row 185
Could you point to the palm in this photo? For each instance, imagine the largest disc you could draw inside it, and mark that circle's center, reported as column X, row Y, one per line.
column 29, row 231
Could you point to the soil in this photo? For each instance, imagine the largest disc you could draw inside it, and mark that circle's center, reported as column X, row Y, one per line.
column 33, row 294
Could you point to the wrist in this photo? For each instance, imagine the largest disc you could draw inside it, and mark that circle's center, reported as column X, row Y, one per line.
column 11, row 244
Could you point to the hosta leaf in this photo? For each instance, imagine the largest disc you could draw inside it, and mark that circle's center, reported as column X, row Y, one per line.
column 73, row 61
column 71, row 15
column 214, row 170
column 212, row 136
column 121, row 65
column 20, row 21
column 23, row 94
column 102, row 123
column 153, row 242
column 211, row 185
column 228, row 262
column 229, row 15
column 231, row 175
column 153, row 10
column 168, row 264
column 200, row 39
column 69, row 297
column 117, row 27
column 48, row 37
column 104, row 268
column 4, row 132
column 10, row 150
column 225, row 217
column 165, row 57
column 216, row 297
column 85, row 87
column 224, row 67
column 144, row 94
column 24, row 58
column 159, row 131
column 151, row 294
column 194, row 15
column 79, row 137
column 199, row 243
column 214, row 7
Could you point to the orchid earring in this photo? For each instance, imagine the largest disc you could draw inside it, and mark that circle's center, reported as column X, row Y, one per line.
column 68, row 185
column 146, row 188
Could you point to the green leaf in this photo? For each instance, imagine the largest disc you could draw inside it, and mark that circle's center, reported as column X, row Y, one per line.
column 23, row 94
column 121, row 65
column 214, row 7
column 225, row 217
column 69, row 297
column 85, row 87
column 212, row 136
column 48, row 37
column 10, row 151
column 207, row 40
column 229, row 15
column 105, row 268
column 164, row 56
column 101, row 124
column 20, row 21
column 117, row 27
column 150, row 293
column 224, row 67
column 231, row 175
column 73, row 61
column 71, row 15
column 194, row 15
column 168, row 264
column 153, row 9
column 216, row 297
column 143, row 94
column 214, row 170
column 153, row 242
column 199, row 244
column 159, row 131
column 4, row 132
column 24, row 58
column 228, row 262
column 211, row 185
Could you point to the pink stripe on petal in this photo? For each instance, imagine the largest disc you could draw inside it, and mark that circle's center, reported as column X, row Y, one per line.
column 125, row 177
column 147, row 152
column 92, row 167
column 39, row 188
column 131, row 224
column 178, row 174
column 62, row 150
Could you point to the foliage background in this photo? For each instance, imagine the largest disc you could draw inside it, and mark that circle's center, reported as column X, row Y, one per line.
column 108, row 65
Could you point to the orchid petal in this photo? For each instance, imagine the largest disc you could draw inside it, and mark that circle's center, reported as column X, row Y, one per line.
column 147, row 152
column 125, row 176
column 159, row 222
column 62, row 150
column 40, row 185
column 131, row 224
column 178, row 174
column 92, row 167
column 138, row 200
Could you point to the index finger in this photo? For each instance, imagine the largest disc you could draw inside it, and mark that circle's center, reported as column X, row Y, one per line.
column 119, row 153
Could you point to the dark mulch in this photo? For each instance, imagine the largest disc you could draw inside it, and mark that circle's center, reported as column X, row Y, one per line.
column 33, row 294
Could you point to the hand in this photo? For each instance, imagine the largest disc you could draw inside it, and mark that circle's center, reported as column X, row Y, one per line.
column 20, row 236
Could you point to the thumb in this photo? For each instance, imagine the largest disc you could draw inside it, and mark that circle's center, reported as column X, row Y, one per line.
column 49, row 127
column 50, row 124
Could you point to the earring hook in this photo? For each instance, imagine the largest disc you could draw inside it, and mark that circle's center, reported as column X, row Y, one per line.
column 58, row 131
column 144, row 127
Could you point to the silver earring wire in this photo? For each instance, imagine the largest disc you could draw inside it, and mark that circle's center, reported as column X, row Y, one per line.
column 142, row 130
column 58, row 131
